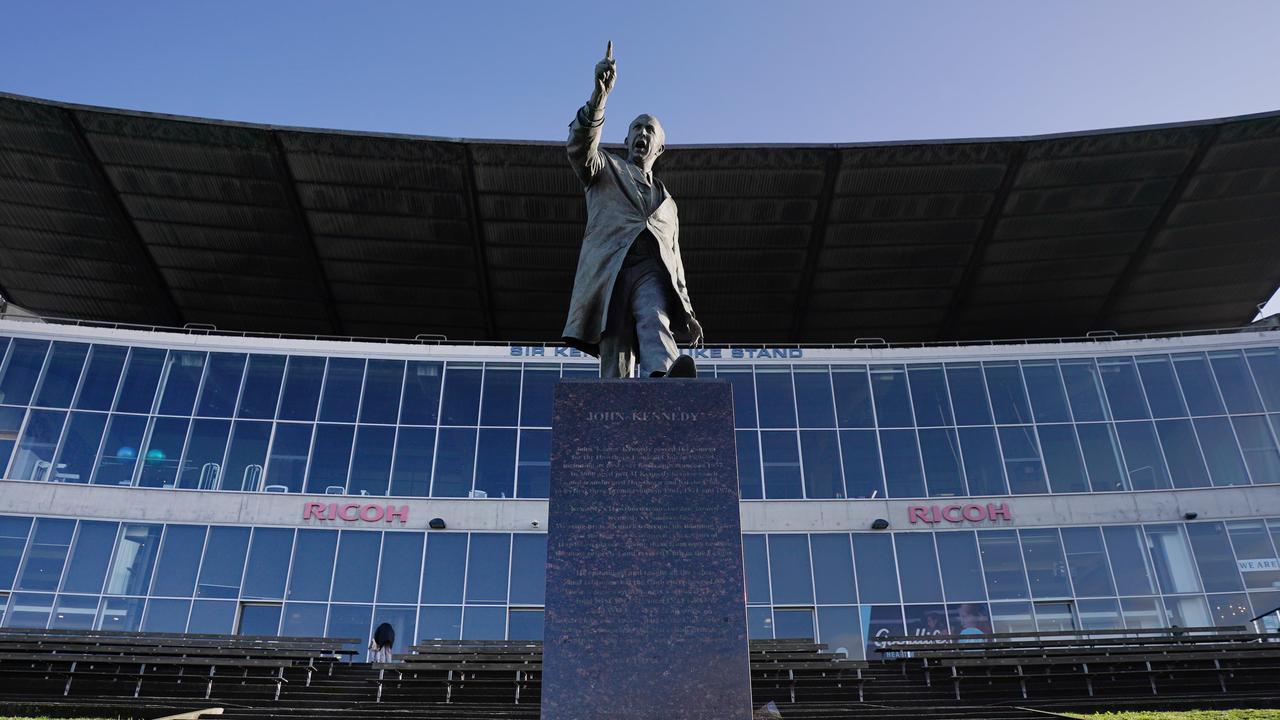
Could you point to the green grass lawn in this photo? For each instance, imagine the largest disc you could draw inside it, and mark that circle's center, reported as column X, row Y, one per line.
column 1189, row 715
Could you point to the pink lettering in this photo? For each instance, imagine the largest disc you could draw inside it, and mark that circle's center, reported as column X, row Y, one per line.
column 918, row 513
column 999, row 511
column 400, row 513
column 974, row 513
column 950, row 513
column 371, row 513
column 313, row 509
column 342, row 512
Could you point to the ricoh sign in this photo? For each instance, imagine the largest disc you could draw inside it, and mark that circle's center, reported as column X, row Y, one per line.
column 958, row 514
column 368, row 513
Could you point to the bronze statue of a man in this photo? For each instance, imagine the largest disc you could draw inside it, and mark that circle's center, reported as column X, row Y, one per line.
column 630, row 303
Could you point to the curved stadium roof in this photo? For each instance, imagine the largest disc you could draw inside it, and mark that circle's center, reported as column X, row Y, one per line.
column 143, row 218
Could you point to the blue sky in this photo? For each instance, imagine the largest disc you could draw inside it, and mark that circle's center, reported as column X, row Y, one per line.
column 799, row 71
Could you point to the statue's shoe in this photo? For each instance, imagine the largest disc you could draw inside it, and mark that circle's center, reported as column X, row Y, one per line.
column 683, row 367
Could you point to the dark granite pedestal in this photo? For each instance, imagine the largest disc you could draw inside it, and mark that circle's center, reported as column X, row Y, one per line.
column 645, row 612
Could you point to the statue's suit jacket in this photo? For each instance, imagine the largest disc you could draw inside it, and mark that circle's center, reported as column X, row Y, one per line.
column 616, row 216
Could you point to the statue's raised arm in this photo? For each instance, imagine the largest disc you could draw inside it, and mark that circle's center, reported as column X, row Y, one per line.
column 584, row 131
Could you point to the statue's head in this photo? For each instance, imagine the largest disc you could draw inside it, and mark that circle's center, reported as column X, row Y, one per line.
column 645, row 140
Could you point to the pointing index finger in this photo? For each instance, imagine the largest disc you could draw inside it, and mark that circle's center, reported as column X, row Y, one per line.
column 608, row 53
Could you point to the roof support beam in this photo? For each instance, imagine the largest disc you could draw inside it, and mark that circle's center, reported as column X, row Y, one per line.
column 1126, row 276
column 477, row 244
column 964, row 291
column 817, row 241
column 310, row 251
column 120, row 214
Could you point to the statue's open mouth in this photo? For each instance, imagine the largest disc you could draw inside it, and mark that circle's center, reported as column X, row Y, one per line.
column 642, row 146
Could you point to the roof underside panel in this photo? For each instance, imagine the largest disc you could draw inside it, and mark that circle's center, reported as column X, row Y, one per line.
column 130, row 217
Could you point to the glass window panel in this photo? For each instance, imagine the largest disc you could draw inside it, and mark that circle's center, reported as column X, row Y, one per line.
column 1125, row 549
column 961, row 571
column 411, row 473
column 1198, row 386
column 832, row 568
column 929, row 395
column 50, row 541
column 461, row 395
column 1142, row 456
column 484, row 623
column 760, row 623
column 357, row 566
column 1087, row 561
column 744, row 394
column 1046, row 565
column 101, row 377
column 1012, row 617
column 881, row 621
column 10, row 422
column 1008, row 398
column 221, row 385
column 1221, row 452
column 179, row 560
column 533, row 469
column 74, row 612
column 351, row 621
column 860, row 452
column 528, row 568
column 1186, row 466
column 1099, row 614
column 21, row 369
column 918, row 567
column 455, row 460
column 202, row 465
column 1124, row 392
column 262, row 383
column 1229, row 610
column 892, row 397
column 1022, row 460
column 1054, row 616
column 983, row 465
column 501, row 398
column 400, row 576
column 371, row 465
column 216, row 617
column 33, row 459
column 755, row 566
column 1062, row 460
column 488, row 566
column 167, row 616
column 382, row 384
column 302, row 619
column 444, row 568
column 1265, row 366
column 1171, row 558
column 781, row 465
column 62, row 374
column 1255, row 556
column 776, row 399
column 789, row 569
column 1214, row 557
column 120, row 450
column 969, row 618
column 135, row 557
column 256, row 619
column 750, row 481
column 1259, row 448
column 1101, row 456
column 421, row 402
column 925, row 621
column 852, row 390
column 1141, row 612
column 538, row 392
column 902, row 470
column 840, row 629
column 120, row 614
column 80, row 448
column 821, row 454
column 1002, row 564
column 313, row 564
column 968, row 394
column 164, row 451
column 29, row 610
column 940, row 449
column 1048, row 396
column 288, row 463
column 402, row 620
column 874, row 565
column 1234, row 381
column 340, row 398
column 246, row 456
column 496, row 463
column 1084, row 390
column 302, row 383
column 524, row 625
column 1188, row 611
column 13, row 540
column 268, row 564
column 223, row 562
column 180, row 382
column 440, row 623
column 87, row 566
column 1161, row 386
column 141, row 380
column 796, row 624
column 813, row 397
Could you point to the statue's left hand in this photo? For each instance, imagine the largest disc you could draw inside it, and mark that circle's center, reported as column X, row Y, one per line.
column 695, row 332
